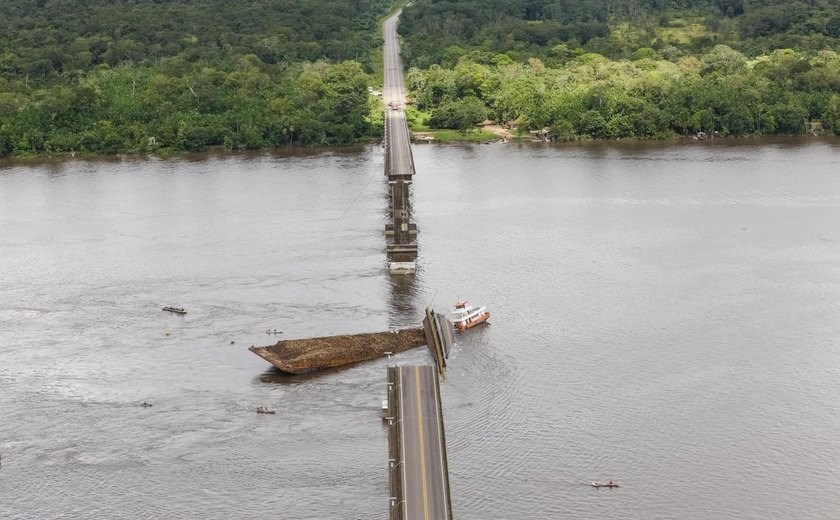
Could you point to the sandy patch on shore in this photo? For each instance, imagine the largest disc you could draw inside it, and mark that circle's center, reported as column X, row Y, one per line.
column 498, row 130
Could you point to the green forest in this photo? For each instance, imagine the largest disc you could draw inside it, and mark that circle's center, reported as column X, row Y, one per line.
column 443, row 31
column 109, row 76
column 116, row 76
column 627, row 68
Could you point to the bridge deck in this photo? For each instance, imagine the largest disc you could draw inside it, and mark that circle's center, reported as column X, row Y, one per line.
column 421, row 488
column 393, row 94
column 399, row 163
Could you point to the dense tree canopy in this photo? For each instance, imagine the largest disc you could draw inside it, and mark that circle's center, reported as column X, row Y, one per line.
column 628, row 68
column 104, row 76
column 107, row 76
column 721, row 92
column 442, row 31
column 47, row 38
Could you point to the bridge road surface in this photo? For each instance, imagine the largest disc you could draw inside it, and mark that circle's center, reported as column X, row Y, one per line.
column 424, row 482
column 393, row 91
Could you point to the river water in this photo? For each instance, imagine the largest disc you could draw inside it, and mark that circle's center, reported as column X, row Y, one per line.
column 664, row 315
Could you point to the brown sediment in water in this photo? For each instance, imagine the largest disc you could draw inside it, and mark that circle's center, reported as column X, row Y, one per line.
column 298, row 356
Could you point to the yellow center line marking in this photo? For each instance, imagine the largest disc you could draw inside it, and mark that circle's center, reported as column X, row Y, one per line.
column 422, row 445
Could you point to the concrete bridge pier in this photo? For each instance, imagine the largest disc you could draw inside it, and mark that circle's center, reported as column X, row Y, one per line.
column 402, row 244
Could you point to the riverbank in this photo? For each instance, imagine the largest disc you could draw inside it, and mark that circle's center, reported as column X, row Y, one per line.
column 212, row 153
column 453, row 137
column 495, row 133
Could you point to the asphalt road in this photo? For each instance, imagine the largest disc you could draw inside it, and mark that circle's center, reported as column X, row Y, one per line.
column 393, row 94
column 423, row 470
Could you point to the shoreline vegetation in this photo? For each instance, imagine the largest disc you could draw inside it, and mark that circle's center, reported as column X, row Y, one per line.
column 163, row 76
column 626, row 69
column 721, row 93
column 87, row 78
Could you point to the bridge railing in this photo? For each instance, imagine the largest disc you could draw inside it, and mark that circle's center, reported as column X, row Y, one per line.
column 395, row 505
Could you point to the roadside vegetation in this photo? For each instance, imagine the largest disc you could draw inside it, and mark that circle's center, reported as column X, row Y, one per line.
column 626, row 69
column 102, row 77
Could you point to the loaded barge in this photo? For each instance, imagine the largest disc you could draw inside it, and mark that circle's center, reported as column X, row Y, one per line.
column 299, row 356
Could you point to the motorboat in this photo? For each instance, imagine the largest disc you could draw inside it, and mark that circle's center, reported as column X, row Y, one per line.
column 176, row 310
column 610, row 484
column 465, row 316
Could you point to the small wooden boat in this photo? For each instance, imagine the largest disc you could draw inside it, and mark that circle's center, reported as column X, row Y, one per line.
column 265, row 409
column 465, row 316
column 610, row 484
column 176, row 310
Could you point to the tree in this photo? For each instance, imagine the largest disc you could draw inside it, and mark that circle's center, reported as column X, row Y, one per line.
column 460, row 115
column 790, row 119
column 723, row 60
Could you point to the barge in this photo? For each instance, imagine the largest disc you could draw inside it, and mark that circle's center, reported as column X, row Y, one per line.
column 299, row 356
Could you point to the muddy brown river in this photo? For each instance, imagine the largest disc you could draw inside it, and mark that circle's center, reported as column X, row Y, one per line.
column 665, row 315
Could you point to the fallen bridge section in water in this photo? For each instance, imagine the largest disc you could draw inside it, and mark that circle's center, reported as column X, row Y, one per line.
column 439, row 338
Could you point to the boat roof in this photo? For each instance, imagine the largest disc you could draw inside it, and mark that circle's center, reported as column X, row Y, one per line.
column 461, row 303
column 465, row 314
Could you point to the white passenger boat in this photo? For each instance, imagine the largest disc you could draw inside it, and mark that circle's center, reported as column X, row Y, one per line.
column 465, row 316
